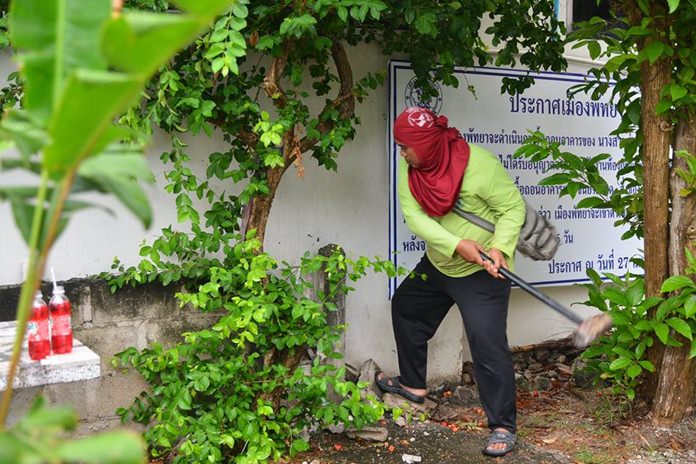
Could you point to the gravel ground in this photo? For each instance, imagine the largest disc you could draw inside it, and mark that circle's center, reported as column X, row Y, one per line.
column 430, row 442
column 555, row 427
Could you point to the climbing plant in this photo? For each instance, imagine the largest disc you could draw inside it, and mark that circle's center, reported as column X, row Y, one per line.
column 240, row 391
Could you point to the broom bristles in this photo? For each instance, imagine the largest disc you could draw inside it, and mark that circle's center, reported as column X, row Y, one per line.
column 591, row 328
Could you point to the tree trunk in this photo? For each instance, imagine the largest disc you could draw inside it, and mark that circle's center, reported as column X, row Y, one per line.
column 676, row 388
column 656, row 148
column 655, row 151
column 259, row 208
column 257, row 211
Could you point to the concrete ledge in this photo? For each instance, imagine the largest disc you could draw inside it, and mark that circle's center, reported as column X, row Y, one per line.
column 81, row 364
column 106, row 323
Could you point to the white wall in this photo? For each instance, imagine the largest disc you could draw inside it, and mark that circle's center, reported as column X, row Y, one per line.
column 349, row 208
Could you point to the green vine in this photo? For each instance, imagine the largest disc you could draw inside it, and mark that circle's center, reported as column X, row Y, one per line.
column 215, row 395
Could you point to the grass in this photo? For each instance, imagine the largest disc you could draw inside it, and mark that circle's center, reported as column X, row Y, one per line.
column 587, row 456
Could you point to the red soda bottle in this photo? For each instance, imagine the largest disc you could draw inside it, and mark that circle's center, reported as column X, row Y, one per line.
column 61, row 331
column 38, row 338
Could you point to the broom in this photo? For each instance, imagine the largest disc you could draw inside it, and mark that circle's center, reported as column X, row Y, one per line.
column 588, row 329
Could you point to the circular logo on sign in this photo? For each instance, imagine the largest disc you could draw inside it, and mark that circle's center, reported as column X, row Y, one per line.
column 413, row 96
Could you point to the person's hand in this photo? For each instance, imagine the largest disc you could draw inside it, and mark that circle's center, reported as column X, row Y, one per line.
column 498, row 261
column 470, row 251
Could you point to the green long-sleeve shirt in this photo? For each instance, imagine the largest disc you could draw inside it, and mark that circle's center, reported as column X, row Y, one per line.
column 488, row 192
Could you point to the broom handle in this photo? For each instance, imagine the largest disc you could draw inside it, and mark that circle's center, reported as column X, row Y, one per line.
column 547, row 300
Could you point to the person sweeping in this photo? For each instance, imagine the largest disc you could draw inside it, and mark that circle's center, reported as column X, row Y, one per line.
column 437, row 168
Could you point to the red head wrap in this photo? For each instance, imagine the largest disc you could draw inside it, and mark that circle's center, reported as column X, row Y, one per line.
column 443, row 155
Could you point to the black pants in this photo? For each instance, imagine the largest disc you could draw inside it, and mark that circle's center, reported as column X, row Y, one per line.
column 418, row 308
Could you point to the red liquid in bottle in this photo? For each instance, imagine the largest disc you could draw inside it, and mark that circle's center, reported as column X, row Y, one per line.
column 38, row 339
column 61, row 333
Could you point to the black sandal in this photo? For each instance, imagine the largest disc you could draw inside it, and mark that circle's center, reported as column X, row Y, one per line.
column 392, row 385
column 499, row 436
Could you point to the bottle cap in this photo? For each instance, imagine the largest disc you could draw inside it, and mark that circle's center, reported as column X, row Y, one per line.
column 38, row 294
column 58, row 290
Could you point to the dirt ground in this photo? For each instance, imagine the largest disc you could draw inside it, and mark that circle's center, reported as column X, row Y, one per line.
column 561, row 425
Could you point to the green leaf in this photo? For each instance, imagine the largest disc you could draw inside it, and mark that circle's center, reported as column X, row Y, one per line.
column 589, row 202
column 129, row 165
column 647, row 365
column 209, row 8
column 620, row 318
column 217, row 64
column 23, row 213
column 673, row 5
column 649, row 303
column 556, row 179
column 55, row 37
column 239, row 9
column 677, row 91
column 78, row 129
column 14, row 450
column 594, row 276
column 623, row 352
column 595, row 49
column 690, row 306
column 644, row 325
column 640, row 349
column 139, row 42
column 620, row 363
column 663, row 106
column 298, row 446
column 635, row 293
column 662, row 332
column 572, row 188
column 68, row 206
column 654, row 50
column 681, row 326
column 616, row 296
column 634, row 371
column 675, row 283
column 106, row 448
column 117, row 174
column 55, row 418
column 342, row 13
column 664, row 308
column 27, row 133
column 425, row 24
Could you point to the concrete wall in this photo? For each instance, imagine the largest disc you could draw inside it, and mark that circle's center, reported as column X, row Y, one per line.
column 349, row 207
column 108, row 324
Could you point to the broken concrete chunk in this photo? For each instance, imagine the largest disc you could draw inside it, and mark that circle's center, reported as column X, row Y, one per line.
column 352, row 373
column 445, row 412
column 379, row 434
column 336, row 428
column 367, row 374
column 396, row 401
